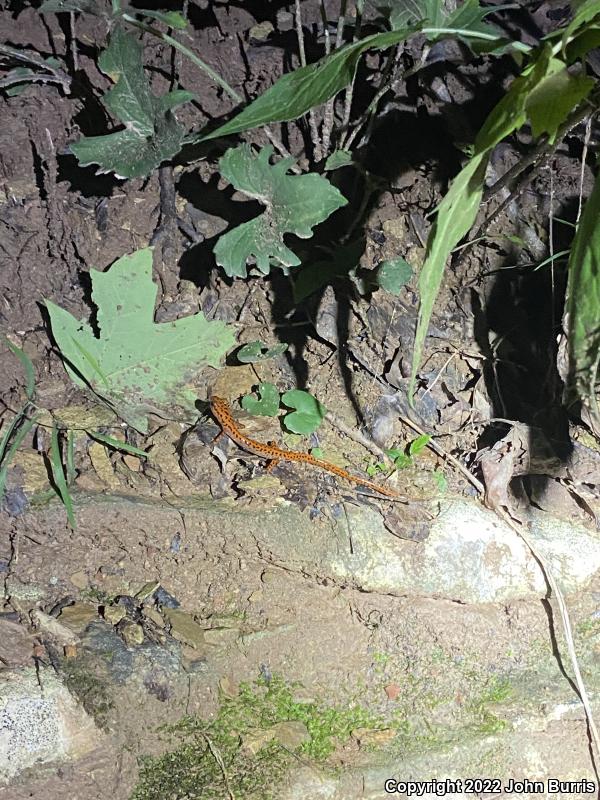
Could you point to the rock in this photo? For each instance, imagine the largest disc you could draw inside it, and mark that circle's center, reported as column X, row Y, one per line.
column 35, row 474
column 102, row 464
column 470, row 556
column 78, row 616
column 221, row 636
column 62, row 634
column 392, row 691
column 262, row 31
column 16, row 644
column 114, row 614
column 228, row 686
column 395, row 228
column 254, row 740
column 183, row 628
column 147, row 590
column 79, row 579
column 40, row 725
column 154, row 615
column 132, row 633
column 291, row 734
column 285, row 20
column 367, row 737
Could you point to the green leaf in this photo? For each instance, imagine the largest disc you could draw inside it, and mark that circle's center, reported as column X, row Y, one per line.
column 456, row 214
column 267, row 405
column 116, row 444
column 418, row 444
column 136, row 365
column 314, row 276
column 151, row 135
column 6, row 456
column 440, row 480
column 583, row 307
column 174, row 19
column 27, row 366
column 584, row 13
column 58, row 476
column 466, row 22
column 549, row 103
column 294, row 204
column 308, row 415
column 393, row 275
column 339, row 158
column 458, row 209
column 403, row 13
column 296, row 92
column 257, row 351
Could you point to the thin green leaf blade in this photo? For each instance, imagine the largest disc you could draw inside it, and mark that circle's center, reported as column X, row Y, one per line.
column 7, row 457
column 583, row 307
column 59, row 478
column 297, row 92
column 116, row 444
column 27, row 366
column 456, row 214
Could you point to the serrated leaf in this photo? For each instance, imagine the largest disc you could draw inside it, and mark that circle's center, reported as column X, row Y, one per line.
column 392, row 275
column 296, row 92
column 309, row 412
column 402, row 13
column 583, row 307
column 466, row 22
column 151, row 135
column 136, row 365
column 254, row 352
column 294, row 204
column 268, row 403
column 130, row 99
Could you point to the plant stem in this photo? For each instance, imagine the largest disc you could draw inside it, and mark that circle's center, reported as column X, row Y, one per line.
column 312, row 120
column 186, row 52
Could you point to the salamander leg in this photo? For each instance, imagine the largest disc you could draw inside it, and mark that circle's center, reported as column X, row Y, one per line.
column 218, row 436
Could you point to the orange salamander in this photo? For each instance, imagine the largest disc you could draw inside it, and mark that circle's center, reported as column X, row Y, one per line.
column 222, row 413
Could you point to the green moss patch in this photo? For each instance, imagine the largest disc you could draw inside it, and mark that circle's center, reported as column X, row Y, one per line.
column 208, row 760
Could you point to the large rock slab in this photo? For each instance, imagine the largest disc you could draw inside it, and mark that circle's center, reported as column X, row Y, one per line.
column 40, row 722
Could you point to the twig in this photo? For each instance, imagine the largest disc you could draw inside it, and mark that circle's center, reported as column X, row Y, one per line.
column 586, row 144
column 387, row 85
column 186, row 52
column 350, row 89
column 219, row 759
column 329, row 105
column 312, row 120
column 548, row 576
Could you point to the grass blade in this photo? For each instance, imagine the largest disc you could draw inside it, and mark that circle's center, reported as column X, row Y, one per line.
column 117, row 444
column 58, row 475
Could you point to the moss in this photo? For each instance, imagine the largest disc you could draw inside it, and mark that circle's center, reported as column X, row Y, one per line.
column 92, row 691
column 206, row 761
